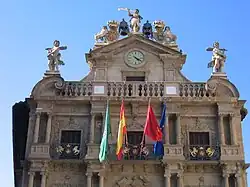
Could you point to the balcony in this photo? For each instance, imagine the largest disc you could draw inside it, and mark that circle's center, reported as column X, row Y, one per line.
column 231, row 152
column 173, row 152
column 39, row 151
column 131, row 152
column 68, row 151
column 203, row 152
column 133, row 89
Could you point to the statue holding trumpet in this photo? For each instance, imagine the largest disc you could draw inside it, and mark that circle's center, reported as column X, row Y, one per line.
column 135, row 18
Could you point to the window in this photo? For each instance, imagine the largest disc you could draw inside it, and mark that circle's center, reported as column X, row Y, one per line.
column 70, row 144
column 227, row 130
column 135, row 138
column 135, row 78
column 71, row 137
column 232, row 181
column 199, row 138
column 172, row 129
column 173, row 180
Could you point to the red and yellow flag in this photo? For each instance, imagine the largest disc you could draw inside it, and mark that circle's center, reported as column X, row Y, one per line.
column 121, row 132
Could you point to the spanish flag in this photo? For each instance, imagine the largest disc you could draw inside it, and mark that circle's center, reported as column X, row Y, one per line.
column 121, row 132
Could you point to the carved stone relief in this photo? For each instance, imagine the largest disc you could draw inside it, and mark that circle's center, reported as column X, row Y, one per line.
column 136, row 181
column 135, row 125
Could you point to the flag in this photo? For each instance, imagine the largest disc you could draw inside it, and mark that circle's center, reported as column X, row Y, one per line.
column 152, row 128
column 121, row 132
column 103, row 154
column 158, row 146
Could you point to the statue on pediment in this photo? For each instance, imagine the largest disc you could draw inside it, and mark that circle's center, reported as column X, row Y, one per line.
column 123, row 28
column 218, row 58
column 147, row 30
column 163, row 33
column 135, row 19
column 54, row 56
column 108, row 33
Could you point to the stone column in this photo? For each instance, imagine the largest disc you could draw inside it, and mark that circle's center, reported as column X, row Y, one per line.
column 178, row 129
column 233, row 129
column 92, row 128
column 89, row 179
column 180, row 180
column 221, row 129
column 48, row 129
column 31, row 178
column 101, row 179
column 238, row 180
column 36, row 132
column 44, row 178
column 225, row 179
column 167, row 176
column 166, row 128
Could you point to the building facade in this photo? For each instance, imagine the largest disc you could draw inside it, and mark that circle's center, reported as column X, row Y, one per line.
column 57, row 131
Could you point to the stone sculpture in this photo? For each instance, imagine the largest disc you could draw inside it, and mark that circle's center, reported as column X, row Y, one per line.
column 135, row 19
column 54, row 56
column 218, row 58
column 163, row 34
column 108, row 34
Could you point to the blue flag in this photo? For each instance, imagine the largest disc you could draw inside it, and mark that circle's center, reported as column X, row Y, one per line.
column 158, row 146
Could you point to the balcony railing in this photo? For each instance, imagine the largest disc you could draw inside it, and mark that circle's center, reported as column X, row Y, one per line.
column 39, row 151
column 68, row 151
column 131, row 152
column 133, row 89
column 203, row 152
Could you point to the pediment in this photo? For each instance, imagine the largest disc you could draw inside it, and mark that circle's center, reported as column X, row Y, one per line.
column 133, row 41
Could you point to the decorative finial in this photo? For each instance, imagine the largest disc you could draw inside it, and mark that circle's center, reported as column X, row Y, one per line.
column 218, row 58
column 54, row 57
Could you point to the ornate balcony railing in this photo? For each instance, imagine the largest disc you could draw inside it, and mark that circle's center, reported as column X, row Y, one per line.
column 132, row 152
column 133, row 89
column 39, row 151
column 68, row 151
column 203, row 152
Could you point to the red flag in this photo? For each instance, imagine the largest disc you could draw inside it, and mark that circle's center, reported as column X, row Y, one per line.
column 152, row 128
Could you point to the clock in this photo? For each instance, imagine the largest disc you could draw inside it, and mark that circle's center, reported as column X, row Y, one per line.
column 135, row 58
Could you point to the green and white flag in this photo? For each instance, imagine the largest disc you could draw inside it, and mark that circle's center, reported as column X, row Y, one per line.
column 103, row 154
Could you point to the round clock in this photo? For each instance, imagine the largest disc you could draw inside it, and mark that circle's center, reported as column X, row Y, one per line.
column 134, row 58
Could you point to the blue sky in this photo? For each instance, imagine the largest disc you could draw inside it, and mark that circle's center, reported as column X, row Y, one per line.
column 28, row 27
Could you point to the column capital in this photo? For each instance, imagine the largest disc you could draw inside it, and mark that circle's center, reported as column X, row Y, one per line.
column 225, row 175
column 38, row 113
column 222, row 114
column 232, row 114
column 44, row 173
column 89, row 174
column 178, row 114
column 31, row 173
column 167, row 175
column 179, row 174
column 50, row 113
column 101, row 174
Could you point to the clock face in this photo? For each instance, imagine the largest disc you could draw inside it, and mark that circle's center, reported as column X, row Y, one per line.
column 135, row 58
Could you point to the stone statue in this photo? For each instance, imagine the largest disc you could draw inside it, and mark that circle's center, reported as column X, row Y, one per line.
column 54, row 57
column 147, row 30
column 102, row 34
column 108, row 34
column 218, row 58
column 170, row 37
column 123, row 28
column 163, row 34
column 135, row 19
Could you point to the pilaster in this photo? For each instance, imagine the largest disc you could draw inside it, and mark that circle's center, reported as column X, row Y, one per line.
column 31, row 175
column 89, row 179
column 178, row 128
column 221, row 129
column 48, row 128
column 36, row 131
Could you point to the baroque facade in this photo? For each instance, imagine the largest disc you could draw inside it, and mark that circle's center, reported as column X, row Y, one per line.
column 58, row 129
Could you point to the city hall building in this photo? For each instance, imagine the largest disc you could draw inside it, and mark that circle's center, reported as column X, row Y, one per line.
column 57, row 130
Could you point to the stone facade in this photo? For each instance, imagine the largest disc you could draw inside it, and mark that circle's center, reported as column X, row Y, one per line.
column 58, row 106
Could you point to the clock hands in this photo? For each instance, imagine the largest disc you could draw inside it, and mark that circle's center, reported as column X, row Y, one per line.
column 137, row 58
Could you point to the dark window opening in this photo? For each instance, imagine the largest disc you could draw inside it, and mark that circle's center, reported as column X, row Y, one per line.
column 172, row 129
column 135, row 138
column 70, row 143
column 199, row 138
column 173, row 180
column 136, row 78
column 232, row 181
